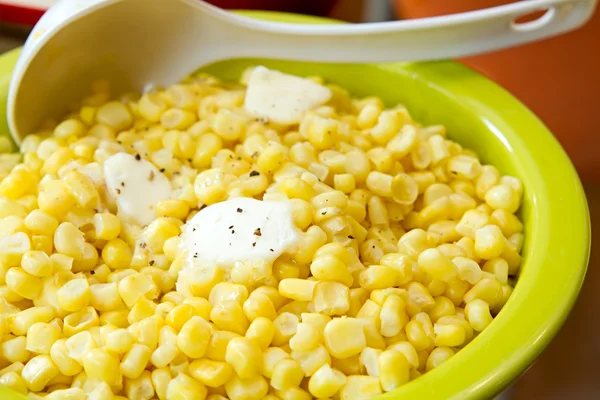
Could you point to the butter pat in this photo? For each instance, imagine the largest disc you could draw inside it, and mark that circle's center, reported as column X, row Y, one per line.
column 282, row 98
column 239, row 230
column 136, row 185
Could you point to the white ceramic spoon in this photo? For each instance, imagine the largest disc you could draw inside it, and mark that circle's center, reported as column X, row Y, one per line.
column 136, row 42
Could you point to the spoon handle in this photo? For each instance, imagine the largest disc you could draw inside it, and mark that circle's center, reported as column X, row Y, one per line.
column 432, row 38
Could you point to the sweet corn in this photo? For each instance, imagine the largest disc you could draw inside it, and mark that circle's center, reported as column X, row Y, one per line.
column 360, row 387
column 184, row 387
column 408, row 243
column 244, row 355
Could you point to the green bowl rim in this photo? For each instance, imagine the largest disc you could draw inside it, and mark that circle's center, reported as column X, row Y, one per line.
column 549, row 286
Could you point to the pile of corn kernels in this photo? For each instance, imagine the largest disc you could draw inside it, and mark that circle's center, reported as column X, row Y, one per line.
column 409, row 247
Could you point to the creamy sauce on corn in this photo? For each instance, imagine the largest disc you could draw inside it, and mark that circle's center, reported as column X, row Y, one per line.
column 282, row 98
column 240, row 230
column 136, row 185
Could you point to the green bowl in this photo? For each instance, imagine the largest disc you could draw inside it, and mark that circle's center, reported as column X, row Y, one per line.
column 482, row 116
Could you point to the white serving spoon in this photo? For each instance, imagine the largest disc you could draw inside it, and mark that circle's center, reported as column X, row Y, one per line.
column 136, row 42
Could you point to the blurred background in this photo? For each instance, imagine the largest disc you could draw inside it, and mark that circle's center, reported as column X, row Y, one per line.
column 559, row 79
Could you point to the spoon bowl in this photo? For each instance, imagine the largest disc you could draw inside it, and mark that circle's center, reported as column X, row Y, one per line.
column 133, row 43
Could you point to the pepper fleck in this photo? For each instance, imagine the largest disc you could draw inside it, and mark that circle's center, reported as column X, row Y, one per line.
column 240, row 210
column 151, row 262
column 92, row 272
column 195, row 255
column 324, row 213
column 254, row 173
column 138, row 157
column 350, row 237
column 162, row 170
column 254, row 244
column 272, row 251
column 151, row 176
column 123, row 184
column 232, row 232
column 231, row 227
column 254, row 155
column 257, row 232
column 118, row 191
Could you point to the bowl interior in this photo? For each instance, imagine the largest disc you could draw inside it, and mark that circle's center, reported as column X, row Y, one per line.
column 481, row 116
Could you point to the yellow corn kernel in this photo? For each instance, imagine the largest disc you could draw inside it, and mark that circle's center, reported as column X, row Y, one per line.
column 228, row 125
column 172, row 208
column 307, row 337
column 344, row 183
column 439, row 149
column 134, row 286
column 179, row 315
column 499, row 268
column 41, row 336
column 437, row 265
column 369, row 361
column 209, row 186
column 22, row 283
column 183, row 387
column 393, row 316
column 377, row 277
column 135, row 361
column 262, row 331
column 489, row 242
column 393, row 370
column 42, row 243
column 39, row 222
column 118, row 341
column 312, row 360
column 229, row 315
column 471, row 221
column 259, row 305
column 102, row 365
column 79, row 321
column 79, row 345
column 140, row 388
column 194, row 337
column 287, row 373
column 105, row 296
column 13, row 381
column 503, row 197
column 151, row 107
column 286, row 325
column 255, row 388
column 331, row 298
column 360, row 387
column 207, row 145
column 21, row 321
column 15, row 349
column 115, row 115
column 438, row 356
column 377, row 211
column 488, row 290
column 175, row 118
column 74, row 295
column 37, row 263
column 157, row 233
column 331, row 269
column 225, row 291
column 12, row 248
column 244, row 355
column 160, row 380
column 38, row 372
column 69, row 240
column 478, row 314
column 380, row 184
column 468, row 270
column 211, row 373
column 344, row 337
column 326, row 382
column 449, row 335
column 107, row 226
column 409, row 352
